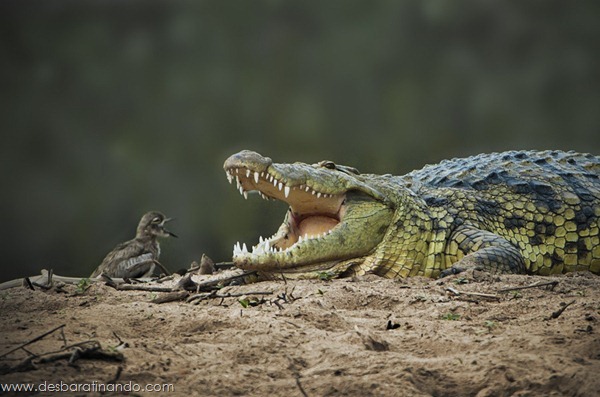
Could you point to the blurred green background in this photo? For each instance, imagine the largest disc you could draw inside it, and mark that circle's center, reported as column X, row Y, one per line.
column 113, row 108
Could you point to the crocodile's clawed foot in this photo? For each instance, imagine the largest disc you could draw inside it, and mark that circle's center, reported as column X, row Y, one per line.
column 451, row 271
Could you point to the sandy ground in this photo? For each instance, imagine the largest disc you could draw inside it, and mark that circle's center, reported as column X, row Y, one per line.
column 322, row 338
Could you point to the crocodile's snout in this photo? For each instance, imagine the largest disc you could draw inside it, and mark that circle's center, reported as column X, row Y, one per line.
column 248, row 159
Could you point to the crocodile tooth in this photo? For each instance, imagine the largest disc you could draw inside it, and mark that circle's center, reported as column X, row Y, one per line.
column 248, row 173
column 307, row 188
column 245, row 193
column 313, row 192
column 237, row 181
column 244, row 249
column 261, row 240
column 256, row 175
column 237, row 170
column 319, row 195
column 275, row 181
column 300, row 239
column 229, row 177
column 241, row 189
column 286, row 191
column 280, row 186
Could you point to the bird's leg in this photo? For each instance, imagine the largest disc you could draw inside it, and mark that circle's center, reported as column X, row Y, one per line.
column 161, row 267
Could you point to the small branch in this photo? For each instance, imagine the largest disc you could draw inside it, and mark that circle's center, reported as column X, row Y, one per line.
column 117, row 375
column 236, row 294
column 42, row 279
column 165, row 278
column 65, row 348
column 300, row 386
column 42, row 286
column 63, row 336
column 141, row 287
column 171, row 297
column 28, row 284
column 93, row 352
column 560, row 311
column 552, row 284
column 33, row 340
column 475, row 294
column 214, row 295
column 200, row 297
column 224, row 265
column 209, row 285
column 122, row 344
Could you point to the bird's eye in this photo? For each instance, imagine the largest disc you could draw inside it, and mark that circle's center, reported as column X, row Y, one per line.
column 156, row 220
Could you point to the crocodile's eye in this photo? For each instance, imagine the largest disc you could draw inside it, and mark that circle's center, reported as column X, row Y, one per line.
column 328, row 164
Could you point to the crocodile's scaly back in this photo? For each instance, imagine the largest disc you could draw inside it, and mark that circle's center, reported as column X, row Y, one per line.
column 541, row 208
column 528, row 172
column 528, row 211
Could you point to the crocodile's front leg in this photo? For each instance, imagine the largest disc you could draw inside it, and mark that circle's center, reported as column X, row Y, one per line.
column 484, row 250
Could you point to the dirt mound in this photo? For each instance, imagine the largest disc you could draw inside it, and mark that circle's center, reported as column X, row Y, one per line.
column 370, row 336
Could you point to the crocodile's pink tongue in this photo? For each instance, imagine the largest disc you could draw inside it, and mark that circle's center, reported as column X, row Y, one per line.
column 316, row 225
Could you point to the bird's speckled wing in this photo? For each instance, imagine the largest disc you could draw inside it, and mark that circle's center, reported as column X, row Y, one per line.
column 126, row 260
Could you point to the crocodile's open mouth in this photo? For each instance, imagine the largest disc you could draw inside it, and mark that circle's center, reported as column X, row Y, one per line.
column 333, row 219
column 313, row 215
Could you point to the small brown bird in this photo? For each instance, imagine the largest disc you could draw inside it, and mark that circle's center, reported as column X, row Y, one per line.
column 137, row 257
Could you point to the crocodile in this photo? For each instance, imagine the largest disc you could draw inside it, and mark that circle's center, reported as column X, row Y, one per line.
column 528, row 212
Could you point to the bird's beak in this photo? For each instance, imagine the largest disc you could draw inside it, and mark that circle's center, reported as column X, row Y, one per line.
column 165, row 230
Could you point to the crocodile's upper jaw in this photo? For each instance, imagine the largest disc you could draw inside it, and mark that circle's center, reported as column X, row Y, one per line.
column 311, row 213
column 317, row 232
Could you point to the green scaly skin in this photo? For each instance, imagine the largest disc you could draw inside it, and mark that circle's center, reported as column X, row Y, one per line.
column 513, row 212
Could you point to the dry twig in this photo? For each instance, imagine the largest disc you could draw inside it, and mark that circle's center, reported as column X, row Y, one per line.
column 560, row 311
column 171, row 297
column 89, row 349
column 552, row 284
column 215, row 295
column 141, row 287
column 21, row 346
column 474, row 294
